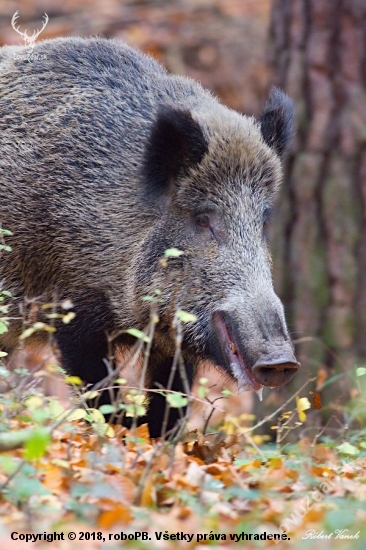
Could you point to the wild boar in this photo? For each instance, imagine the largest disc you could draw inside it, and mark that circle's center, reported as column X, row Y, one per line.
column 106, row 162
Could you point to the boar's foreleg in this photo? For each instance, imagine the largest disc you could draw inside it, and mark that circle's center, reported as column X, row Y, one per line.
column 159, row 375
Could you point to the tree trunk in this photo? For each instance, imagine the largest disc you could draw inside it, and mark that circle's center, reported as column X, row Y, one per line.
column 318, row 236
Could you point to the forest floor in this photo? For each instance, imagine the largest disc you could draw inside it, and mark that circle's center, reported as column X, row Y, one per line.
column 63, row 470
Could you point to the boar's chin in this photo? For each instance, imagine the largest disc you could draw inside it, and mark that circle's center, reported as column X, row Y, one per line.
column 230, row 350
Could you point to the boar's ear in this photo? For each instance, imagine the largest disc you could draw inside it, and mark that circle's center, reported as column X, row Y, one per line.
column 277, row 121
column 175, row 144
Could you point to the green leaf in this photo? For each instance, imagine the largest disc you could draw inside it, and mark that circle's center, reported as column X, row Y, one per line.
column 26, row 487
column 138, row 334
column 202, row 392
column 202, row 388
column 55, row 408
column 6, row 232
column 39, row 416
column 332, row 379
column 134, row 410
column 173, row 253
column 36, row 445
column 107, row 409
column 21, row 371
column 360, row 371
column 347, row 448
column 4, row 372
column 186, row 317
column 8, row 464
column 176, row 400
column 226, row 392
column 7, row 293
column 3, row 327
column 14, row 439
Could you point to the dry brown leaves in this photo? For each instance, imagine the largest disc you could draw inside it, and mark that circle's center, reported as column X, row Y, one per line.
column 213, row 483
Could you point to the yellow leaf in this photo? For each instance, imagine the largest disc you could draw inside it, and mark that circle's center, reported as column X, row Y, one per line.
column 275, row 463
column 43, row 326
column 61, row 463
column 90, row 394
column 68, row 317
column 34, row 402
column 28, row 332
column 186, row 317
column 75, row 380
column 77, row 414
column 302, row 404
column 96, row 416
column 260, row 439
column 110, row 432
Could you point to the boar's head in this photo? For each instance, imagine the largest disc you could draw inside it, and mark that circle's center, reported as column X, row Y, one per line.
column 210, row 176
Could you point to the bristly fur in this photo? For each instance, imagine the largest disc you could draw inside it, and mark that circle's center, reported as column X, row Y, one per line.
column 87, row 129
column 277, row 121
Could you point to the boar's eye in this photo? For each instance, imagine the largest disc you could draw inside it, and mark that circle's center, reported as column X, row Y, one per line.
column 207, row 221
column 203, row 220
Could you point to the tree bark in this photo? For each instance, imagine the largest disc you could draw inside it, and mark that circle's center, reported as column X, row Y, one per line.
column 318, row 236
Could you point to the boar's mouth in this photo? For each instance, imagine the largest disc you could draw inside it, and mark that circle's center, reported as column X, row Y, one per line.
column 272, row 368
column 238, row 365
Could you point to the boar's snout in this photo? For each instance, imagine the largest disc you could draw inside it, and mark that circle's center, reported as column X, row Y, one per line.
column 275, row 369
column 260, row 360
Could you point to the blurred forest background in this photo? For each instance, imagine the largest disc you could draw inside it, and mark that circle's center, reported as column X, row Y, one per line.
column 316, row 51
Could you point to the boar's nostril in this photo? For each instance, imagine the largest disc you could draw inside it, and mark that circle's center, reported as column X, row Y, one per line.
column 275, row 373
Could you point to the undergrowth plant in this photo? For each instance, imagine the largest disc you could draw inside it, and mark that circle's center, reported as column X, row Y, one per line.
column 31, row 422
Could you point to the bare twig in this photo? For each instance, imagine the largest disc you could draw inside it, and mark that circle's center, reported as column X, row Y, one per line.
column 269, row 417
column 12, row 475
